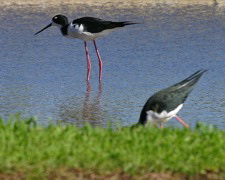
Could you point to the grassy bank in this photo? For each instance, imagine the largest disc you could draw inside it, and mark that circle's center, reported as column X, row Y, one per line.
column 30, row 150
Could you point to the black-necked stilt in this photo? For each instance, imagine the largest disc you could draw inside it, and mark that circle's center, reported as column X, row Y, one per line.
column 87, row 29
column 166, row 103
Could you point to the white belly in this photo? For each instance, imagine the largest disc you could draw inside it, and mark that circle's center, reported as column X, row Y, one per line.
column 78, row 32
column 159, row 118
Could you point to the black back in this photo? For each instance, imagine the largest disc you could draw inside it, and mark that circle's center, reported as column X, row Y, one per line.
column 96, row 25
column 170, row 98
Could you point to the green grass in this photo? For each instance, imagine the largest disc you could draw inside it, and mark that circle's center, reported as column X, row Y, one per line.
column 33, row 149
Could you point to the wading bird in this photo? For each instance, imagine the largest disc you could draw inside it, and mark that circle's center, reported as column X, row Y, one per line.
column 166, row 103
column 87, row 29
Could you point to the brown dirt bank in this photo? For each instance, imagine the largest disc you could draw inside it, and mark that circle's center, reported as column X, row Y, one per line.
column 94, row 2
column 75, row 174
column 84, row 175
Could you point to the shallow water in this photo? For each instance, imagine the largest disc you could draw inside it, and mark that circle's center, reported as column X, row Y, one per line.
column 44, row 75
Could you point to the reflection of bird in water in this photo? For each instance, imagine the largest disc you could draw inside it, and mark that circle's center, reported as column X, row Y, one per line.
column 92, row 111
column 166, row 103
column 87, row 29
column 86, row 111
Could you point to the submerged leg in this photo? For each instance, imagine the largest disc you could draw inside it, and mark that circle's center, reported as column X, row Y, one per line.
column 88, row 61
column 99, row 61
column 181, row 121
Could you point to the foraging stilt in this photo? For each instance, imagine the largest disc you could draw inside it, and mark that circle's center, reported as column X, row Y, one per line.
column 166, row 103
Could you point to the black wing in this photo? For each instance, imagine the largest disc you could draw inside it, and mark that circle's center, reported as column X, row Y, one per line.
column 96, row 25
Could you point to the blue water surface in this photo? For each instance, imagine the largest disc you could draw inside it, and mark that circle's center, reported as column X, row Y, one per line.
column 44, row 75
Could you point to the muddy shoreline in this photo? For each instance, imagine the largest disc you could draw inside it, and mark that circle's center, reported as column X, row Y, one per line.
column 99, row 2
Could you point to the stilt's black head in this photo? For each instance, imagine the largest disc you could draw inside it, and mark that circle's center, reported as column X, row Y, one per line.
column 58, row 20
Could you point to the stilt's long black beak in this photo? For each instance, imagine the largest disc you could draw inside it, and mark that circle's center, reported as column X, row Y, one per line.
column 43, row 29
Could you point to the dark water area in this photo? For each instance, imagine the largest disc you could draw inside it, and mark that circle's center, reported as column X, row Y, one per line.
column 44, row 75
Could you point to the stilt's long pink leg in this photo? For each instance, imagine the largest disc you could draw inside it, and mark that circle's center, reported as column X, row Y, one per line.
column 88, row 61
column 181, row 121
column 99, row 60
